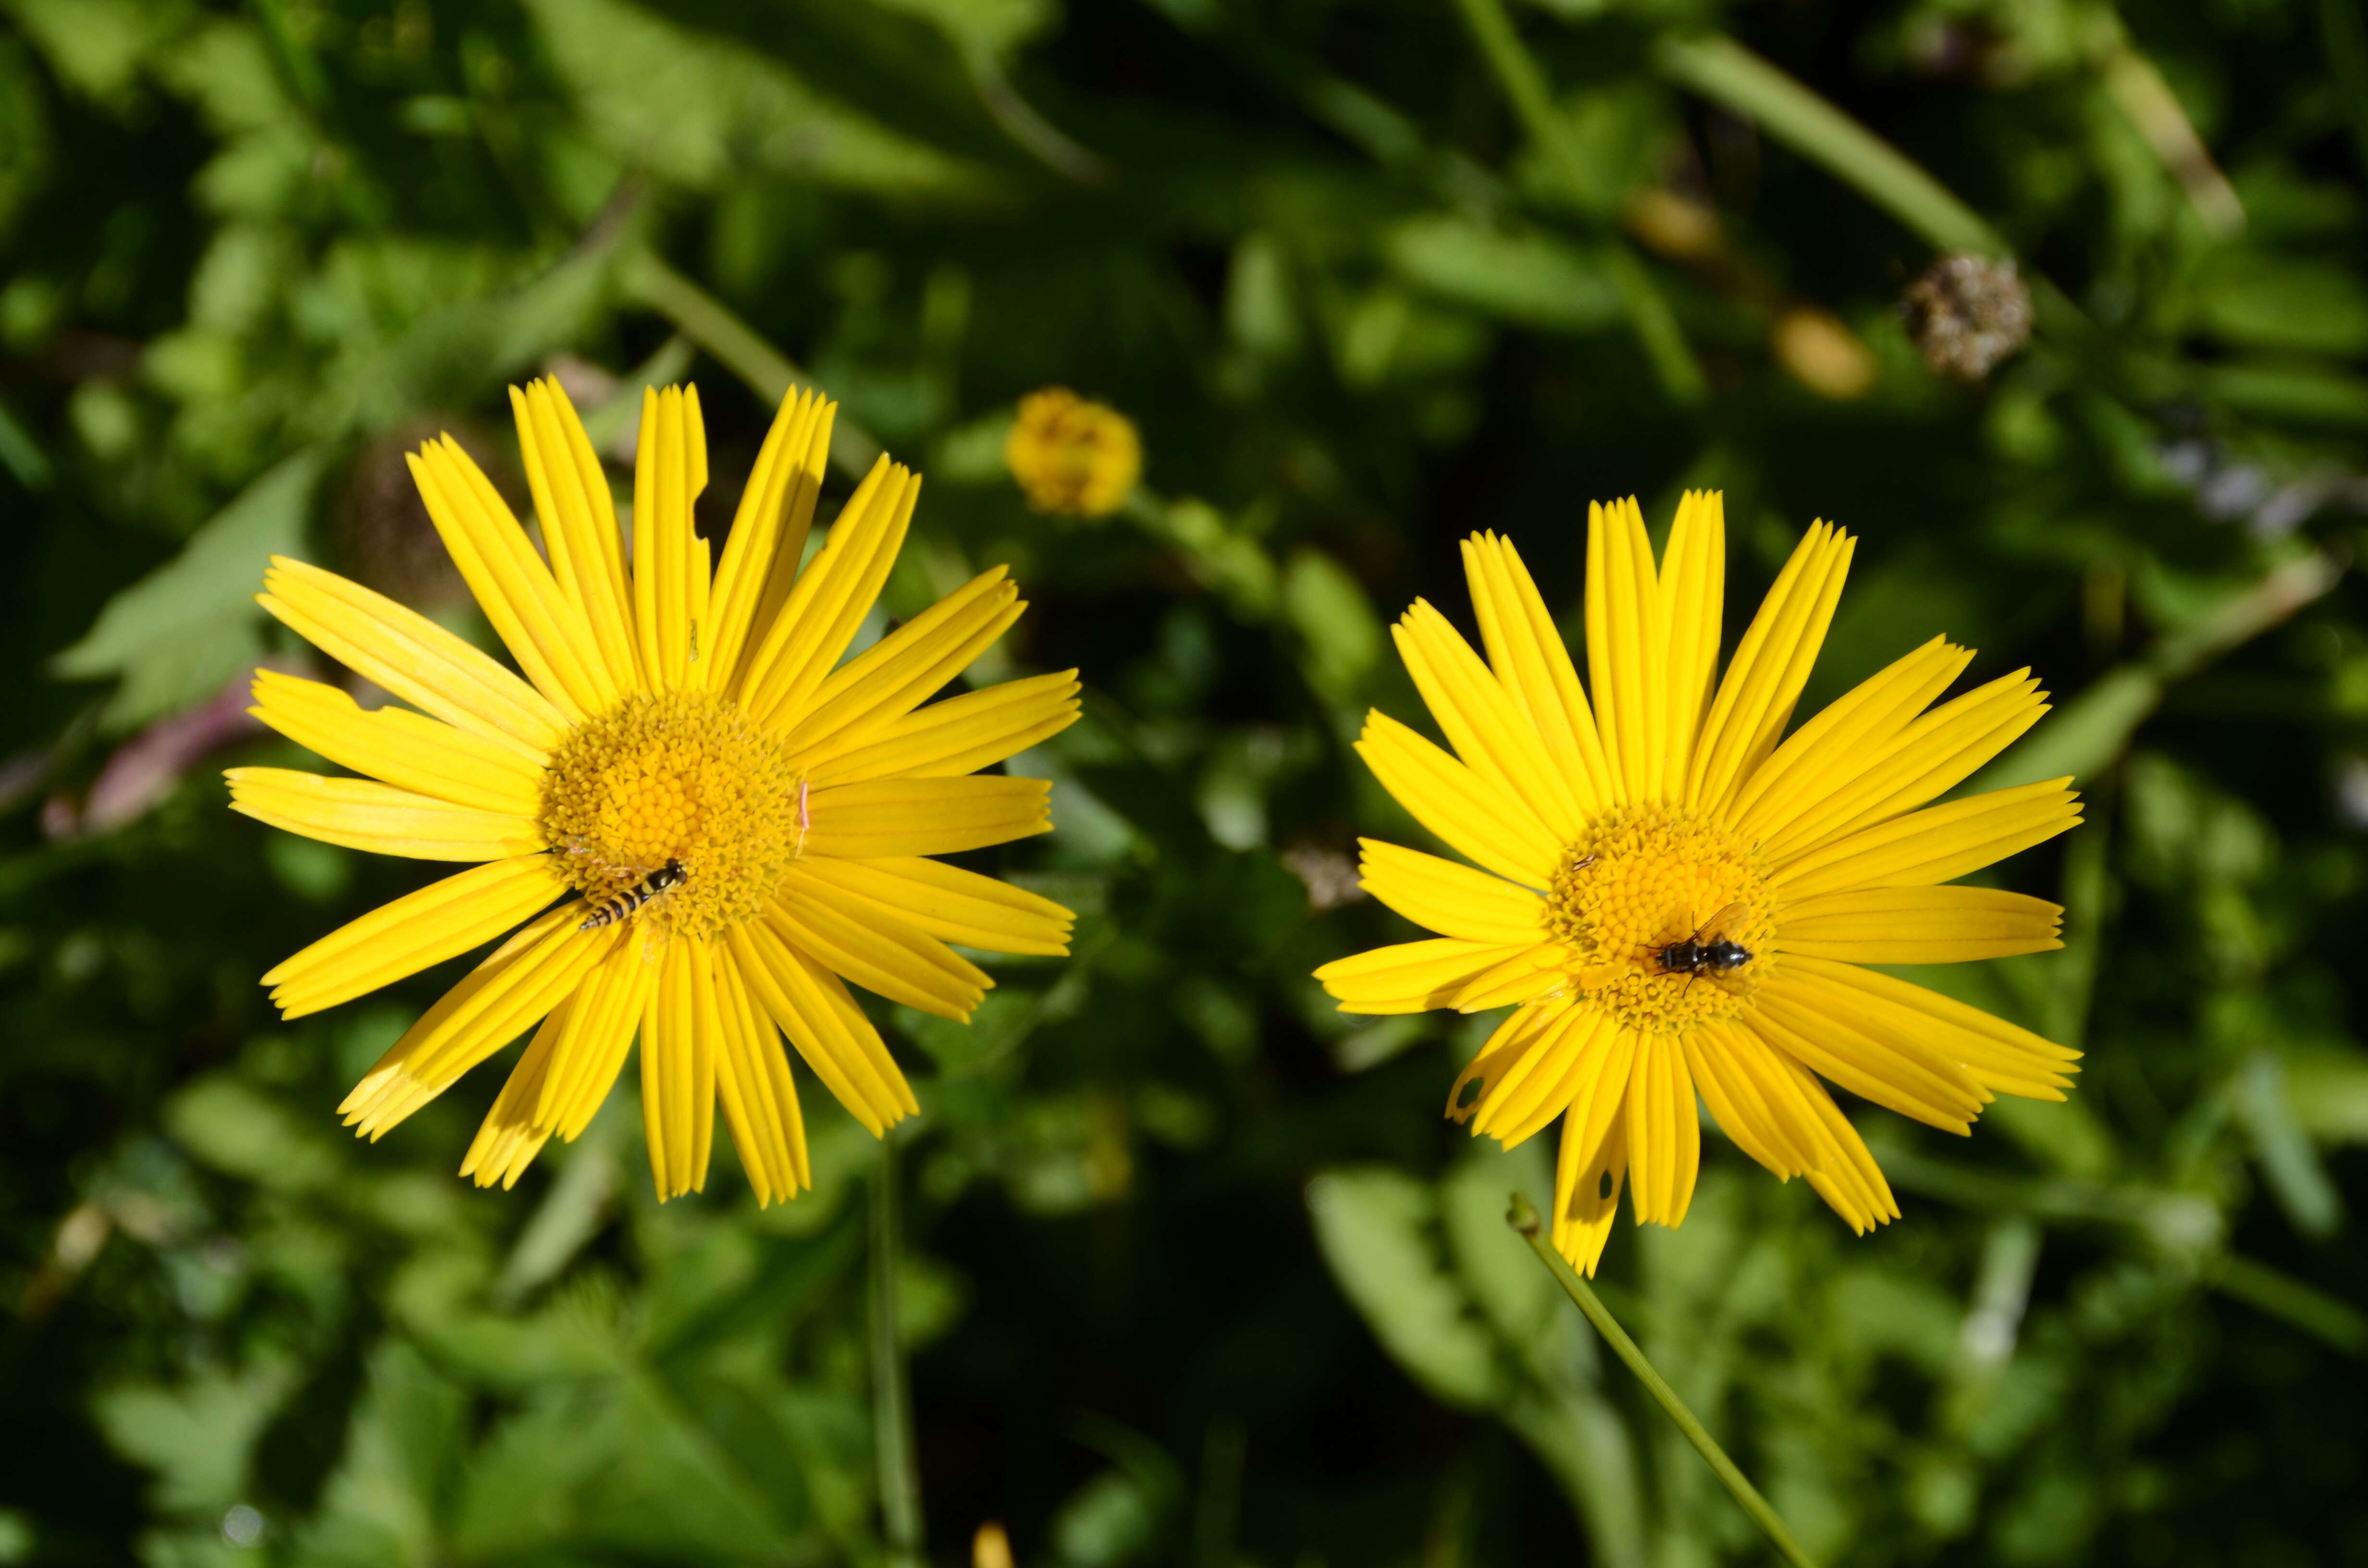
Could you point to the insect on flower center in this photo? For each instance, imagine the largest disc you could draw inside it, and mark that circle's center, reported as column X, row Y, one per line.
column 1641, row 883
column 682, row 779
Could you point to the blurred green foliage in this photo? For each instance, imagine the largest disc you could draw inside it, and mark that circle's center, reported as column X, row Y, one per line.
column 1198, row 1274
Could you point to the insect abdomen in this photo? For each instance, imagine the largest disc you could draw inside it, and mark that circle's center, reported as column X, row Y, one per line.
column 667, row 876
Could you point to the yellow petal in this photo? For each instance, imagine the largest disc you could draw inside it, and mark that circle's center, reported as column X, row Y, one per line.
column 886, row 817
column 769, row 534
column 949, row 903
column 876, row 951
column 1626, row 647
column 1891, row 1072
column 1527, row 654
column 1588, row 1179
column 823, row 1022
column 1755, row 701
column 670, row 560
column 760, row 1102
column 1664, row 1132
column 509, row 1138
column 906, row 667
column 1561, row 1064
column 678, row 1030
column 411, row 656
column 832, row 595
column 550, row 638
column 399, row 747
column 496, row 1003
column 1939, row 844
column 1737, row 1101
column 1528, row 975
column 1945, row 925
column 579, row 519
column 441, row 921
column 599, row 1030
column 1825, row 753
column 1412, row 977
column 1474, row 816
column 1487, row 729
column 361, row 815
column 1934, row 754
column 1451, row 898
column 947, row 739
column 1849, row 1179
column 1694, row 588
column 1507, row 1052
column 1999, row 1055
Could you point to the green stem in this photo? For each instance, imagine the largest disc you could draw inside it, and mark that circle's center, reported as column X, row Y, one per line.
column 1727, row 74
column 709, row 322
column 892, row 1400
column 1524, row 1219
column 1655, row 326
column 1649, row 316
column 1516, row 71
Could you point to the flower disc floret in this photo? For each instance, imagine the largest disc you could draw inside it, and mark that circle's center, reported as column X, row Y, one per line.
column 683, row 777
column 1642, row 877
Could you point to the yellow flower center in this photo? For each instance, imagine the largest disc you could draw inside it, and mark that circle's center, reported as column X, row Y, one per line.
column 684, row 779
column 1641, row 883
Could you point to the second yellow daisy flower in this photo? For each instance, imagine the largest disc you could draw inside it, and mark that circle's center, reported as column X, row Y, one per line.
column 1677, row 899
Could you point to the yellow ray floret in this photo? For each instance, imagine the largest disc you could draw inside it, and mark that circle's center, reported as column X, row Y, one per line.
column 1678, row 901
column 698, row 818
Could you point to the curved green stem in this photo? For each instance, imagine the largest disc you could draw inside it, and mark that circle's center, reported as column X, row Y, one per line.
column 892, row 1400
column 1728, row 74
column 1524, row 1219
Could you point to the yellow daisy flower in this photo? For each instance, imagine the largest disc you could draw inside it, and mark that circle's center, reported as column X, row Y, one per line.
column 734, row 820
column 1677, row 899
column 1073, row 457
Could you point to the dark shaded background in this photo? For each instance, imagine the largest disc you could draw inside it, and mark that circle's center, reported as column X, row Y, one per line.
column 1198, row 1274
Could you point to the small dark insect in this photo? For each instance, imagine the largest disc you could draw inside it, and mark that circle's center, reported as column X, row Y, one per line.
column 1707, row 951
column 670, row 875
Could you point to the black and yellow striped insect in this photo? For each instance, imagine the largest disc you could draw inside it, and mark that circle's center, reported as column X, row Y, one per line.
column 670, row 875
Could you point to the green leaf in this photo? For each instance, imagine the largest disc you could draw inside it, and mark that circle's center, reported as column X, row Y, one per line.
column 1377, row 1228
column 384, row 1502
column 1104, row 1524
column 698, row 112
column 1516, row 1294
column 613, row 1467
column 2304, row 394
column 1518, row 275
column 2328, row 1094
column 2260, row 299
column 1334, row 621
column 2289, row 1161
column 995, row 26
column 197, row 1437
column 96, row 46
column 24, row 133
column 241, row 1132
column 179, row 634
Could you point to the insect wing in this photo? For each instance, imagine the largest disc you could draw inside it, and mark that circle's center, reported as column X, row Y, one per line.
column 1719, row 926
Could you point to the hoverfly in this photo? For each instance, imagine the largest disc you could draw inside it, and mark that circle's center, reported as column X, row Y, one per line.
column 1709, row 951
column 664, row 878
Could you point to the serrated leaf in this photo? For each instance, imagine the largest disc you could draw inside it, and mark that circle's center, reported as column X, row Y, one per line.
column 1378, row 1231
column 178, row 635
